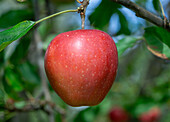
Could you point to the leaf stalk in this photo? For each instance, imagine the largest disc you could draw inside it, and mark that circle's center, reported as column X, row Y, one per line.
column 53, row 15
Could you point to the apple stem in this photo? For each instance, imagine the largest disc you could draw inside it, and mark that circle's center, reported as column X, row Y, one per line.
column 82, row 21
column 53, row 15
column 82, row 11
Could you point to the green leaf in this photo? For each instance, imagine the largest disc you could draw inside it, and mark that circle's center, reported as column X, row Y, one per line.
column 102, row 14
column 14, row 33
column 13, row 79
column 124, row 24
column 160, row 33
column 16, row 16
column 158, row 41
column 10, row 91
column 156, row 5
column 21, row 50
column 125, row 43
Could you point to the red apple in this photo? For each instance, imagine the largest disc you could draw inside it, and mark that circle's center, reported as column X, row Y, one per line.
column 118, row 114
column 145, row 117
column 81, row 66
column 152, row 115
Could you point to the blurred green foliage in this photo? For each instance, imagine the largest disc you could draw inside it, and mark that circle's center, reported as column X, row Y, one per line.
column 102, row 14
column 12, row 17
column 142, row 82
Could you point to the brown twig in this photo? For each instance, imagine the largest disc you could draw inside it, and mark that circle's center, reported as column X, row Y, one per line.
column 141, row 12
column 34, row 105
column 82, row 11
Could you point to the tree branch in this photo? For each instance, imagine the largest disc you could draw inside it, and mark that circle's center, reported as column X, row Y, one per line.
column 34, row 105
column 141, row 12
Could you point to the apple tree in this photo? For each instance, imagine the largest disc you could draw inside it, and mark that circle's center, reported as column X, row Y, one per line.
column 111, row 57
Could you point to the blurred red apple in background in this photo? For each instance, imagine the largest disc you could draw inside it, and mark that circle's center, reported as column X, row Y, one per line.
column 81, row 66
column 152, row 115
column 118, row 114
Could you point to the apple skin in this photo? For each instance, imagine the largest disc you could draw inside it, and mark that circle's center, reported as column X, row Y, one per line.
column 81, row 66
column 118, row 114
